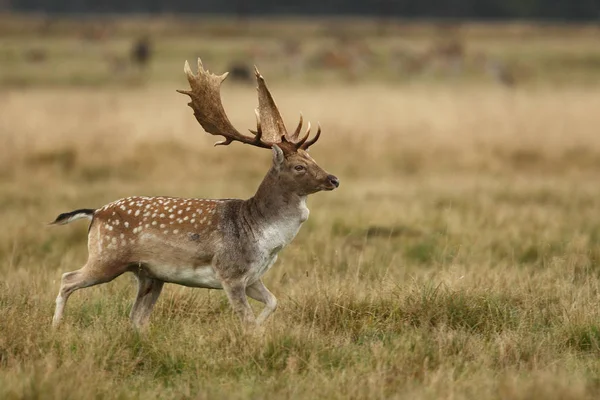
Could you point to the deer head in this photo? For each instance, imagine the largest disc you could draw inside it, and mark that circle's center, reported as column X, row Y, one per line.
column 296, row 170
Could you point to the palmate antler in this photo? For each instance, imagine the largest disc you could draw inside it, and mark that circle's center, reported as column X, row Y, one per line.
column 270, row 129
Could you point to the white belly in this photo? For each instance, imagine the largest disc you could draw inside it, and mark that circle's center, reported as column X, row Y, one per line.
column 201, row 276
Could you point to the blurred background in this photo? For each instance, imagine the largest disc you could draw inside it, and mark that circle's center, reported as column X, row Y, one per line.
column 98, row 43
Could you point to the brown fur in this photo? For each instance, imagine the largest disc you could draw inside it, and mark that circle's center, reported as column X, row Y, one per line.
column 165, row 239
column 220, row 244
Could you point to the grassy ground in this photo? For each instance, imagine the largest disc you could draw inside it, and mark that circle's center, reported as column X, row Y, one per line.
column 458, row 259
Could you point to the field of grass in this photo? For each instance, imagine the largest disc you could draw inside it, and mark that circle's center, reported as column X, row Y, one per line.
column 458, row 259
column 94, row 52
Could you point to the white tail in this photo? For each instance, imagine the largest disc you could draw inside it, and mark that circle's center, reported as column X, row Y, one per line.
column 69, row 217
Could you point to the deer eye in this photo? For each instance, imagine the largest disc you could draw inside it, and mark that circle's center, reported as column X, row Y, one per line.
column 299, row 168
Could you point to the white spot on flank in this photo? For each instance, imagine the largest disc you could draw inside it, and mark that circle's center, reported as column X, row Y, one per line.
column 147, row 225
column 137, row 212
column 165, row 232
column 162, row 215
column 191, row 220
column 187, row 209
column 110, row 228
column 128, row 211
column 154, row 215
column 162, row 225
column 126, row 224
column 122, row 235
column 122, row 208
column 180, row 212
column 176, row 231
column 153, row 222
column 114, row 240
column 172, row 216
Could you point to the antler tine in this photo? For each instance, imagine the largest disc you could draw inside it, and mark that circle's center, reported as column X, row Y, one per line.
column 294, row 136
column 306, row 145
column 258, row 127
column 223, row 142
column 301, row 141
column 258, row 132
column 208, row 108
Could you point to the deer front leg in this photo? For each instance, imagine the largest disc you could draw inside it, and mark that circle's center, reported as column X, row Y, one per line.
column 258, row 291
column 148, row 291
column 236, row 293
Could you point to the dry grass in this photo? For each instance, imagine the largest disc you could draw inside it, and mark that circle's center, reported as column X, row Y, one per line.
column 458, row 259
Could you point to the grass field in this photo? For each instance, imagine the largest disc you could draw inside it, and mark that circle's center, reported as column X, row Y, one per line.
column 458, row 259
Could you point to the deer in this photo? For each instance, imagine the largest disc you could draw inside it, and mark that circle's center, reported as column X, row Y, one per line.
column 226, row 244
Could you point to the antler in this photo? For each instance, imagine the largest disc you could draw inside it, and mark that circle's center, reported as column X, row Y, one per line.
column 208, row 110
column 268, row 113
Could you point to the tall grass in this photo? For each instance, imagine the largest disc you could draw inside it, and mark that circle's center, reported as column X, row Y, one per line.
column 458, row 259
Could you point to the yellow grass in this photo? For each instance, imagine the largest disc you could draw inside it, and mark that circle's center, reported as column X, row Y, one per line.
column 458, row 259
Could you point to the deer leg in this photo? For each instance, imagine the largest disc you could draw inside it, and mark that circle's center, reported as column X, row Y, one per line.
column 258, row 291
column 87, row 276
column 236, row 293
column 148, row 292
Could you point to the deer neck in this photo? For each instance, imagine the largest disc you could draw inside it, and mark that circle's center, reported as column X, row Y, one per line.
column 274, row 203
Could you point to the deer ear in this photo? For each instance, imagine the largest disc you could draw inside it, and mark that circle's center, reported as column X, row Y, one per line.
column 278, row 156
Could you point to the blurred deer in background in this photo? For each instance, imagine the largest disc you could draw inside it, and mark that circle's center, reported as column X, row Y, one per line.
column 218, row 244
column 141, row 52
column 240, row 72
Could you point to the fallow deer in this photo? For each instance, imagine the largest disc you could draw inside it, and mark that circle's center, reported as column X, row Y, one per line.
column 224, row 244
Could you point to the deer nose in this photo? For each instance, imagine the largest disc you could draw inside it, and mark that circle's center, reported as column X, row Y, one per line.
column 333, row 180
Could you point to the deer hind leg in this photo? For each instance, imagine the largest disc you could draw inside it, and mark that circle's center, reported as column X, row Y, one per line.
column 258, row 291
column 148, row 292
column 88, row 275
